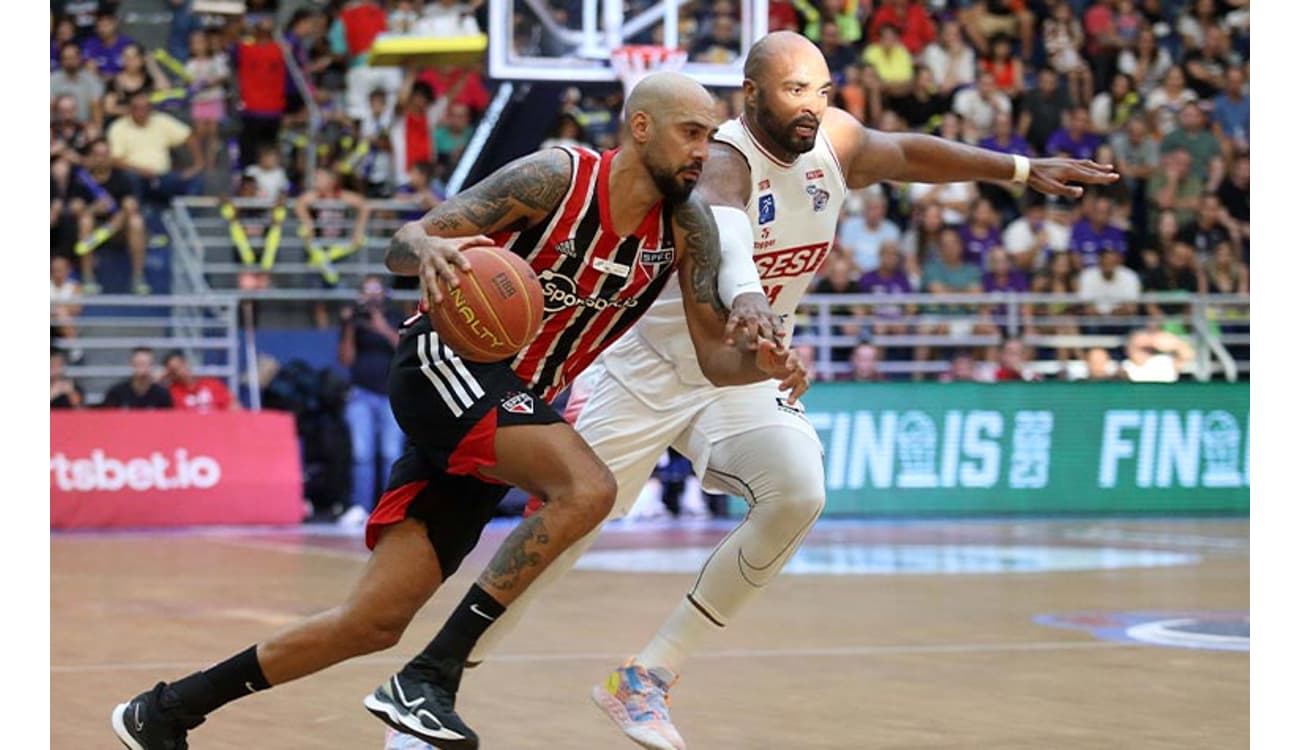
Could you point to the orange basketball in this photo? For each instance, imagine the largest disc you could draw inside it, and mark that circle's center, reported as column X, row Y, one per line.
column 496, row 310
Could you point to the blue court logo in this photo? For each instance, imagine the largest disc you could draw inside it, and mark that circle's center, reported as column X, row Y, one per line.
column 766, row 208
column 1214, row 631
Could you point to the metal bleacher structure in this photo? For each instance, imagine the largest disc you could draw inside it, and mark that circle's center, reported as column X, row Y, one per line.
column 212, row 312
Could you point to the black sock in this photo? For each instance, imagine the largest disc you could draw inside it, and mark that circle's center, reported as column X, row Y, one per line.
column 461, row 631
column 204, row 692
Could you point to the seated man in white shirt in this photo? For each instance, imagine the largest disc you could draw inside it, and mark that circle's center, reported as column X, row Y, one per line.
column 1155, row 357
column 1033, row 237
column 1109, row 290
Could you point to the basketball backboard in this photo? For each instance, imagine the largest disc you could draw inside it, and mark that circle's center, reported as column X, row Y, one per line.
column 572, row 40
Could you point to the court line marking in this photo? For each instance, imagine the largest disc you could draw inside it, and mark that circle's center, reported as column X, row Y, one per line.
column 931, row 648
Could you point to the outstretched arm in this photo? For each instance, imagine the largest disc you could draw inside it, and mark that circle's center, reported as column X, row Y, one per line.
column 517, row 196
column 706, row 316
column 869, row 156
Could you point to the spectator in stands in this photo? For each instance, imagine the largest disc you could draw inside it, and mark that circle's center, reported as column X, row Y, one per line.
column 910, row 18
column 1137, row 154
column 864, row 365
column 981, row 234
column 953, row 197
column 920, row 242
column 448, row 18
column 1226, row 274
column 262, row 75
column 139, row 74
column 1234, row 194
column 1063, row 39
column 141, row 390
column 839, row 54
column 891, row 61
column 453, row 134
column 889, row 278
column 141, row 145
column 1207, row 66
column 1002, row 278
column 1008, row 73
column 1005, row 139
column 1013, row 366
column 1155, row 357
column 961, row 368
column 458, row 85
column 64, row 31
column 419, row 190
column 1112, row 108
column 1059, row 277
column 69, row 137
column 1096, row 233
column 807, row 354
column 1176, row 272
column 209, row 70
column 1192, row 135
column 1109, row 289
column 1232, row 112
column 1101, row 367
column 1173, row 187
column 191, row 393
column 979, row 106
column 948, row 274
column 351, row 36
column 950, row 59
column 1147, row 62
column 922, row 106
column 567, row 132
column 64, row 391
column 840, row 277
column 1073, row 140
column 74, row 80
column 1164, row 103
column 1211, row 226
column 65, row 300
column 1043, row 109
column 863, row 228
column 270, row 177
column 110, row 209
column 414, row 130
column 990, row 19
column 1034, row 237
column 105, row 49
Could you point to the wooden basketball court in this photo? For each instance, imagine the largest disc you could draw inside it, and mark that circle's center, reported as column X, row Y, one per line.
column 898, row 635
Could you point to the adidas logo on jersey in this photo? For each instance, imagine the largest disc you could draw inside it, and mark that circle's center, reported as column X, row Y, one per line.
column 520, row 403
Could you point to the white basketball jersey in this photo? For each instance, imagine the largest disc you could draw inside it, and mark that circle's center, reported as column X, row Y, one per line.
column 793, row 209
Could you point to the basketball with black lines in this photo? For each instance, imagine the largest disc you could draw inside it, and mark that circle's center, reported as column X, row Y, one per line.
column 496, row 309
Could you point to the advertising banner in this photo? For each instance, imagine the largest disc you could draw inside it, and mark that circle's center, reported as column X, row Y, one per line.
column 116, row 469
column 961, row 448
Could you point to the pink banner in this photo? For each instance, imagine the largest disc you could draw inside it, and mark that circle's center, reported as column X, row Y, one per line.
column 118, row 469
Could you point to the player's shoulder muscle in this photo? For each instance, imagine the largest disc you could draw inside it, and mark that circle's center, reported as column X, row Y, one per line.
column 726, row 179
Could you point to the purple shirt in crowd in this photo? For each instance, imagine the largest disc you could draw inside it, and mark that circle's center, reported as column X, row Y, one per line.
column 1016, row 281
column 1084, row 148
column 1088, row 242
column 873, row 282
column 1016, row 145
column 107, row 58
column 977, row 247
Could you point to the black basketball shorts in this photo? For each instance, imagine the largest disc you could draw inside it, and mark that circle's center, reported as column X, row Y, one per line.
column 449, row 410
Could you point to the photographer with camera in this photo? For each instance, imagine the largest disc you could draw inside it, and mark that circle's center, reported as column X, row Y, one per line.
column 367, row 341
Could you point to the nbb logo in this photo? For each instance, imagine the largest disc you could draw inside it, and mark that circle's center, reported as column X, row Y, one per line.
column 180, row 471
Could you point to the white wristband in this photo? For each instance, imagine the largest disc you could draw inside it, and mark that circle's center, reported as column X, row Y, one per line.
column 737, row 274
column 1022, row 169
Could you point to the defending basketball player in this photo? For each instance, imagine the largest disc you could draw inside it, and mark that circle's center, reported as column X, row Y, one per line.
column 604, row 232
column 775, row 180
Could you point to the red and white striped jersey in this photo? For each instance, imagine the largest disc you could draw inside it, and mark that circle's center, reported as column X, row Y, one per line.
column 595, row 282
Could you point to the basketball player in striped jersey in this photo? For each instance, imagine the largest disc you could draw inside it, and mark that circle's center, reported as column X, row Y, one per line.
column 604, row 232
column 775, row 180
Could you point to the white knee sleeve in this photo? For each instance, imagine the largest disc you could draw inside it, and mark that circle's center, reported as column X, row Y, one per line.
column 778, row 470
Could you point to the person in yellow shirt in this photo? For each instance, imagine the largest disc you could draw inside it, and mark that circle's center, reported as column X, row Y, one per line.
column 141, row 143
column 891, row 61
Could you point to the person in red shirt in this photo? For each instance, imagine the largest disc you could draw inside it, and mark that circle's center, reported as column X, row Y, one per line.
column 458, row 86
column 263, row 91
column 195, row 394
column 1012, row 367
column 912, row 20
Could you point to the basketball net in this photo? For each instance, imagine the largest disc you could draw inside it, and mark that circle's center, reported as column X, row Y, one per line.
column 636, row 61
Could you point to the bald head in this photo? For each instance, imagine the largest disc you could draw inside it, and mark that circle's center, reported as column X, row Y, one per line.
column 666, row 92
column 766, row 54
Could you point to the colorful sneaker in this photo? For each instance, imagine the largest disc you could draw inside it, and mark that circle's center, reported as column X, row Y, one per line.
column 636, row 699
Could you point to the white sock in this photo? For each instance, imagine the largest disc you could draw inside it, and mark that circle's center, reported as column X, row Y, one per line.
column 677, row 638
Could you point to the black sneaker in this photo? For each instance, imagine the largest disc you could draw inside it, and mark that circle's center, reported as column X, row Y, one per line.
column 153, row 720
column 423, row 706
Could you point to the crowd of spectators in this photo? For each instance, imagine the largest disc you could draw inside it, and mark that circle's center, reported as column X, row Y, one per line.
column 173, row 386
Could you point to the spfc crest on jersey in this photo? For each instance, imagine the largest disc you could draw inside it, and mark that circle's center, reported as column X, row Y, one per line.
column 819, row 197
column 657, row 261
column 520, row 403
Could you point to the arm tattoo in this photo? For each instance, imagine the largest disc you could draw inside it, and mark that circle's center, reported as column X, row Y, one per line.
column 515, row 555
column 529, row 188
column 695, row 221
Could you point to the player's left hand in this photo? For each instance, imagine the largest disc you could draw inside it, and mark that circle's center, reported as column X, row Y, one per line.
column 784, row 365
column 1052, row 176
column 753, row 317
